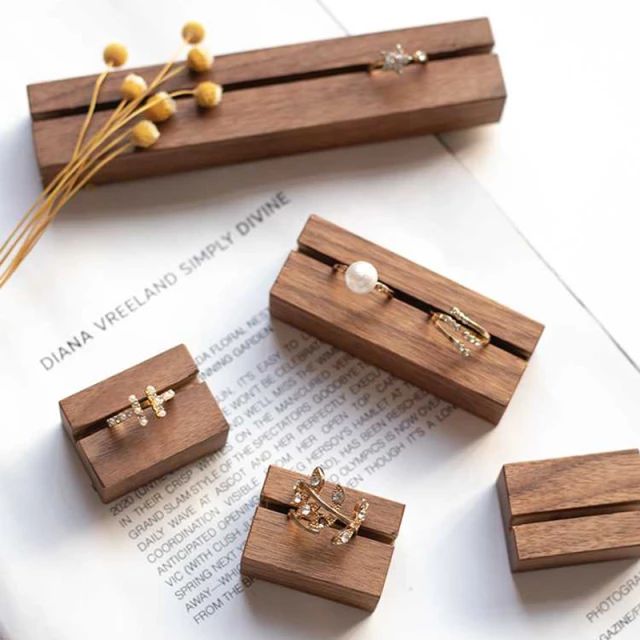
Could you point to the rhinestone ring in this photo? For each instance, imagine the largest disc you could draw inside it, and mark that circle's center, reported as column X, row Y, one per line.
column 397, row 59
column 463, row 332
column 313, row 513
column 362, row 277
column 137, row 407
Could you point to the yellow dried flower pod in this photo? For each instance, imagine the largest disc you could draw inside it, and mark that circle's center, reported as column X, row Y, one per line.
column 144, row 134
column 193, row 32
column 160, row 107
column 208, row 95
column 133, row 86
column 115, row 54
column 199, row 59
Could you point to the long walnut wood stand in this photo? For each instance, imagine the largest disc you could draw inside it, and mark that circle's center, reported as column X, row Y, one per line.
column 290, row 99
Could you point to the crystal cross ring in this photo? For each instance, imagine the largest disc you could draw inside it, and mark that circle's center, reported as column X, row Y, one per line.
column 137, row 407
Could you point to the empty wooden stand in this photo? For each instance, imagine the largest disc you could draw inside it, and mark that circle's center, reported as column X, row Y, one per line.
column 278, row 550
column 290, row 99
column 396, row 334
column 566, row 511
column 127, row 456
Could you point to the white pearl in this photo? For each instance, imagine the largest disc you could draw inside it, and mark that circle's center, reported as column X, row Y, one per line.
column 361, row 277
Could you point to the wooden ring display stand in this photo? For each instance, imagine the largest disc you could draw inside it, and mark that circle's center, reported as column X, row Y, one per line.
column 572, row 510
column 278, row 550
column 395, row 334
column 127, row 456
column 290, row 99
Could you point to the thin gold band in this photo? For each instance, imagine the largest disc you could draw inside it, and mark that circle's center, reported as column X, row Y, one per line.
column 461, row 330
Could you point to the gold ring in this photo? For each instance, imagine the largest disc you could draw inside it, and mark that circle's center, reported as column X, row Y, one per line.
column 397, row 59
column 137, row 407
column 362, row 277
column 313, row 513
column 461, row 330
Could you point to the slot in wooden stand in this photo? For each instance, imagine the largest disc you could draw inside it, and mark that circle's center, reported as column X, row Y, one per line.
column 277, row 550
column 125, row 457
column 396, row 334
column 566, row 511
column 290, row 99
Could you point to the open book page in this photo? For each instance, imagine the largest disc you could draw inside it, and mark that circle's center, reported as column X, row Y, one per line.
column 130, row 270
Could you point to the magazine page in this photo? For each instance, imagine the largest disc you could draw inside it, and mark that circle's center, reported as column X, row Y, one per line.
column 131, row 270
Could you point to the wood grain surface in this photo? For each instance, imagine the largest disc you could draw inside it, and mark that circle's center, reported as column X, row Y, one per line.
column 320, row 99
column 90, row 407
column 279, row 551
column 452, row 39
column 514, row 331
column 125, row 457
column 571, row 510
column 396, row 335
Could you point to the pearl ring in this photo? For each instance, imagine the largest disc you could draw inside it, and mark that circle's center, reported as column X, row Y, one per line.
column 137, row 408
column 362, row 277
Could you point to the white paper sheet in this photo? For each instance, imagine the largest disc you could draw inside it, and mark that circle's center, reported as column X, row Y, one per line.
column 71, row 567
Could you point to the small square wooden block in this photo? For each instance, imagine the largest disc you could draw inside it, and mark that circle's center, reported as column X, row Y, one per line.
column 127, row 456
column 279, row 551
column 566, row 511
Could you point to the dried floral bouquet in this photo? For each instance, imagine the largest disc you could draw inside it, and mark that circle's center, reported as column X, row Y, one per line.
column 131, row 125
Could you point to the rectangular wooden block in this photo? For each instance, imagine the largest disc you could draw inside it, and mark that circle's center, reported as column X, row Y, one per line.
column 566, row 511
column 291, row 99
column 125, row 457
column 396, row 335
column 279, row 551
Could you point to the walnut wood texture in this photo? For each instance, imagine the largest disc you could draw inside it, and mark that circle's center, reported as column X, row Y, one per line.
column 466, row 37
column 572, row 510
column 396, row 334
column 279, row 551
column 293, row 99
column 127, row 456
column 90, row 407
column 519, row 333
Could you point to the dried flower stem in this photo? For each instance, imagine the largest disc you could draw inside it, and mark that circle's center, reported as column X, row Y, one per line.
column 92, row 107
column 62, row 176
column 40, row 228
column 78, row 160
column 181, row 92
column 124, row 114
column 44, row 210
